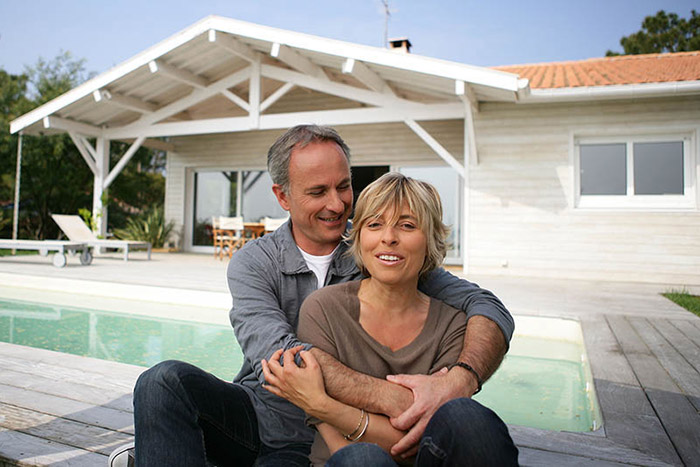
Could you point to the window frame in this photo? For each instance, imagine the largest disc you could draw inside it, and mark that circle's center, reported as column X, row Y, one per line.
column 630, row 200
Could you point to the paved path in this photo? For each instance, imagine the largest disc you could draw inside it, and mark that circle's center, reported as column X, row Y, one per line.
column 644, row 351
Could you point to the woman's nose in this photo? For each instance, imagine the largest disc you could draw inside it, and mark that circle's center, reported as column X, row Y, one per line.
column 389, row 236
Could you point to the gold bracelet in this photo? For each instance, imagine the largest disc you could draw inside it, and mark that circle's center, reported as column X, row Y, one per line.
column 364, row 430
column 359, row 424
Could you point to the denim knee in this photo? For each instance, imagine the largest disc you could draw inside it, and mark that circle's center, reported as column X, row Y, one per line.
column 361, row 454
column 464, row 432
column 166, row 375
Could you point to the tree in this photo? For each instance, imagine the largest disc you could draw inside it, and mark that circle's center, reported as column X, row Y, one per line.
column 55, row 178
column 665, row 32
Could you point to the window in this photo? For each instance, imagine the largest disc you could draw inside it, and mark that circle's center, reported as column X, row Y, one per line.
column 230, row 193
column 635, row 172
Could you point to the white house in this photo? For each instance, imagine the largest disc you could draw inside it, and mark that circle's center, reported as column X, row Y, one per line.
column 582, row 169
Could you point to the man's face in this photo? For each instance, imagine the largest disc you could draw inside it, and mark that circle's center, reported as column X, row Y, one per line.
column 320, row 196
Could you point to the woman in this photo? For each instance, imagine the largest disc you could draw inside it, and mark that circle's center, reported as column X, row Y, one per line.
column 381, row 325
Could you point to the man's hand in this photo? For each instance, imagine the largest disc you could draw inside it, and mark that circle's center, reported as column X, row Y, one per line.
column 429, row 394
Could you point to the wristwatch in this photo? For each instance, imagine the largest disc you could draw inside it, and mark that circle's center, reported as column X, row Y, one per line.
column 468, row 367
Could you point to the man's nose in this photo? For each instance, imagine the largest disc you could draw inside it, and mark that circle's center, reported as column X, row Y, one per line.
column 335, row 202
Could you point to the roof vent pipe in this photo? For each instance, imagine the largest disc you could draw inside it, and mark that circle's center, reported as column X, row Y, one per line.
column 400, row 44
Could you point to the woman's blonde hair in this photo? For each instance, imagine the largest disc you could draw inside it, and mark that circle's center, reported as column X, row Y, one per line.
column 389, row 193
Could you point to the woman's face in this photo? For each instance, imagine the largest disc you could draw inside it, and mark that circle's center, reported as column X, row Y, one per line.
column 393, row 252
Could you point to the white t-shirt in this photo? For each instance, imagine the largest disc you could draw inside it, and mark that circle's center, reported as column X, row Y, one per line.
column 318, row 264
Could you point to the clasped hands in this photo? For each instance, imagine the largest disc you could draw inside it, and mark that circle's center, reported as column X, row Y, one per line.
column 303, row 386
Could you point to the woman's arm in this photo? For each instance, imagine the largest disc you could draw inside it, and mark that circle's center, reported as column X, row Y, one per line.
column 303, row 386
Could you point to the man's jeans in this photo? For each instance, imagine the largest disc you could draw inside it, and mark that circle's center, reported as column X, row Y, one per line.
column 461, row 433
column 186, row 416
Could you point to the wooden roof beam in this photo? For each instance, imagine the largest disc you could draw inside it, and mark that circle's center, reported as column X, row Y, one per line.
column 297, row 61
column 184, row 76
column 233, row 45
column 125, row 102
column 366, row 76
column 467, row 95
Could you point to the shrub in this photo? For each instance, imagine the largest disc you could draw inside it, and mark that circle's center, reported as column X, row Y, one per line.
column 149, row 227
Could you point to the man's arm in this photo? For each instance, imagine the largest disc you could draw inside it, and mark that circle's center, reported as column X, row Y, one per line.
column 360, row 390
column 260, row 325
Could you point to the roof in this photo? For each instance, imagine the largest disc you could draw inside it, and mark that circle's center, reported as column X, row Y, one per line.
column 610, row 71
column 205, row 70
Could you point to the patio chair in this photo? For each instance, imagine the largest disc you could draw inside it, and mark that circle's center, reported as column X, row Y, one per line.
column 227, row 233
column 273, row 223
column 76, row 231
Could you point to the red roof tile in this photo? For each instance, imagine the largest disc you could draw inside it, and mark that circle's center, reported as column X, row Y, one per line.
column 623, row 69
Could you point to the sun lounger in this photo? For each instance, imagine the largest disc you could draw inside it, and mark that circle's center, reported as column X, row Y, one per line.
column 44, row 246
column 76, row 231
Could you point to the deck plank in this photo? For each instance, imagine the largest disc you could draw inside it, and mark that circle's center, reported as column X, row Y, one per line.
column 26, row 450
column 105, row 417
column 646, row 367
column 683, row 345
column 68, row 389
column 691, row 328
column 681, row 421
column 537, row 457
column 607, row 361
column 80, row 435
column 589, row 446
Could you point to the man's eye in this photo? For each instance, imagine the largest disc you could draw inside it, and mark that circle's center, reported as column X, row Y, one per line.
column 316, row 193
column 343, row 187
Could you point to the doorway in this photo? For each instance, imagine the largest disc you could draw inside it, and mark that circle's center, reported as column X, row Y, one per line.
column 363, row 176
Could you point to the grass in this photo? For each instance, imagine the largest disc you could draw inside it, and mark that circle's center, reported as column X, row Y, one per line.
column 18, row 252
column 685, row 299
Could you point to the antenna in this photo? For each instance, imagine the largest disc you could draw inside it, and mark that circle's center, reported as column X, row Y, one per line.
column 387, row 13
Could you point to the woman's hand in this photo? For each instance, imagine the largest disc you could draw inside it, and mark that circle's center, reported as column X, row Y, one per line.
column 302, row 386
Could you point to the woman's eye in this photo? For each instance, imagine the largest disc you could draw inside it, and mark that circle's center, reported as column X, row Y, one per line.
column 408, row 226
column 373, row 225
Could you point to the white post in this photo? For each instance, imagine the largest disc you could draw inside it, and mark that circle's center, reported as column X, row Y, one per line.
column 18, row 173
column 465, row 194
column 99, row 212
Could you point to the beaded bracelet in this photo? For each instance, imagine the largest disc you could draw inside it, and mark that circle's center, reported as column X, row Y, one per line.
column 469, row 368
column 359, row 424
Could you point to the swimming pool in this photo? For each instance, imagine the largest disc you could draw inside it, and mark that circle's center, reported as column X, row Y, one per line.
column 544, row 382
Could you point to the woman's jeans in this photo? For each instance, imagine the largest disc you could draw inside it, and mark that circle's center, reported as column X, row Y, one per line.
column 186, row 416
column 461, row 433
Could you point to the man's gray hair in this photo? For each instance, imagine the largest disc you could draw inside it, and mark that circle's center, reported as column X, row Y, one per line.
column 298, row 137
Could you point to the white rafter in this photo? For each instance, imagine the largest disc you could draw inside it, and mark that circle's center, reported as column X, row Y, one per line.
column 466, row 94
column 233, row 45
column 184, row 76
column 336, row 89
column 64, row 124
column 236, row 100
column 198, row 95
column 80, row 144
column 123, row 161
column 366, row 76
column 275, row 96
column 125, row 102
column 296, row 60
column 435, row 146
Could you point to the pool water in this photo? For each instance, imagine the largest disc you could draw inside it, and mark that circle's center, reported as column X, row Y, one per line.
column 543, row 382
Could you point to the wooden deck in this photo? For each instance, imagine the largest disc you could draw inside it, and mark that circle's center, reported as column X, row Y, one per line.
column 59, row 409
column 65, row 410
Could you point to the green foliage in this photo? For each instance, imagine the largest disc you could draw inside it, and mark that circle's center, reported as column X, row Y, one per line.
column 150, row 227
column 55, row 179
column 683, row 298
column 665, row 32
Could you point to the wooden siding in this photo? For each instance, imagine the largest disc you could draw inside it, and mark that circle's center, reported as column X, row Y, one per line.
column 522, row 217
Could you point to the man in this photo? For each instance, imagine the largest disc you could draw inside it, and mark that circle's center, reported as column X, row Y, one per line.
column 185, row 416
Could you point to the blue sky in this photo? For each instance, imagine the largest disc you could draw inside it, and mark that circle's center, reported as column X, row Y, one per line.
column 476, row 32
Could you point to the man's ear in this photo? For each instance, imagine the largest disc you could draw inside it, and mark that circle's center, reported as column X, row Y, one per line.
column 281, row 196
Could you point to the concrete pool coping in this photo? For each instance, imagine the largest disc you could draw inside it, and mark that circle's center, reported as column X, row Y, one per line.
column 643, row 352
